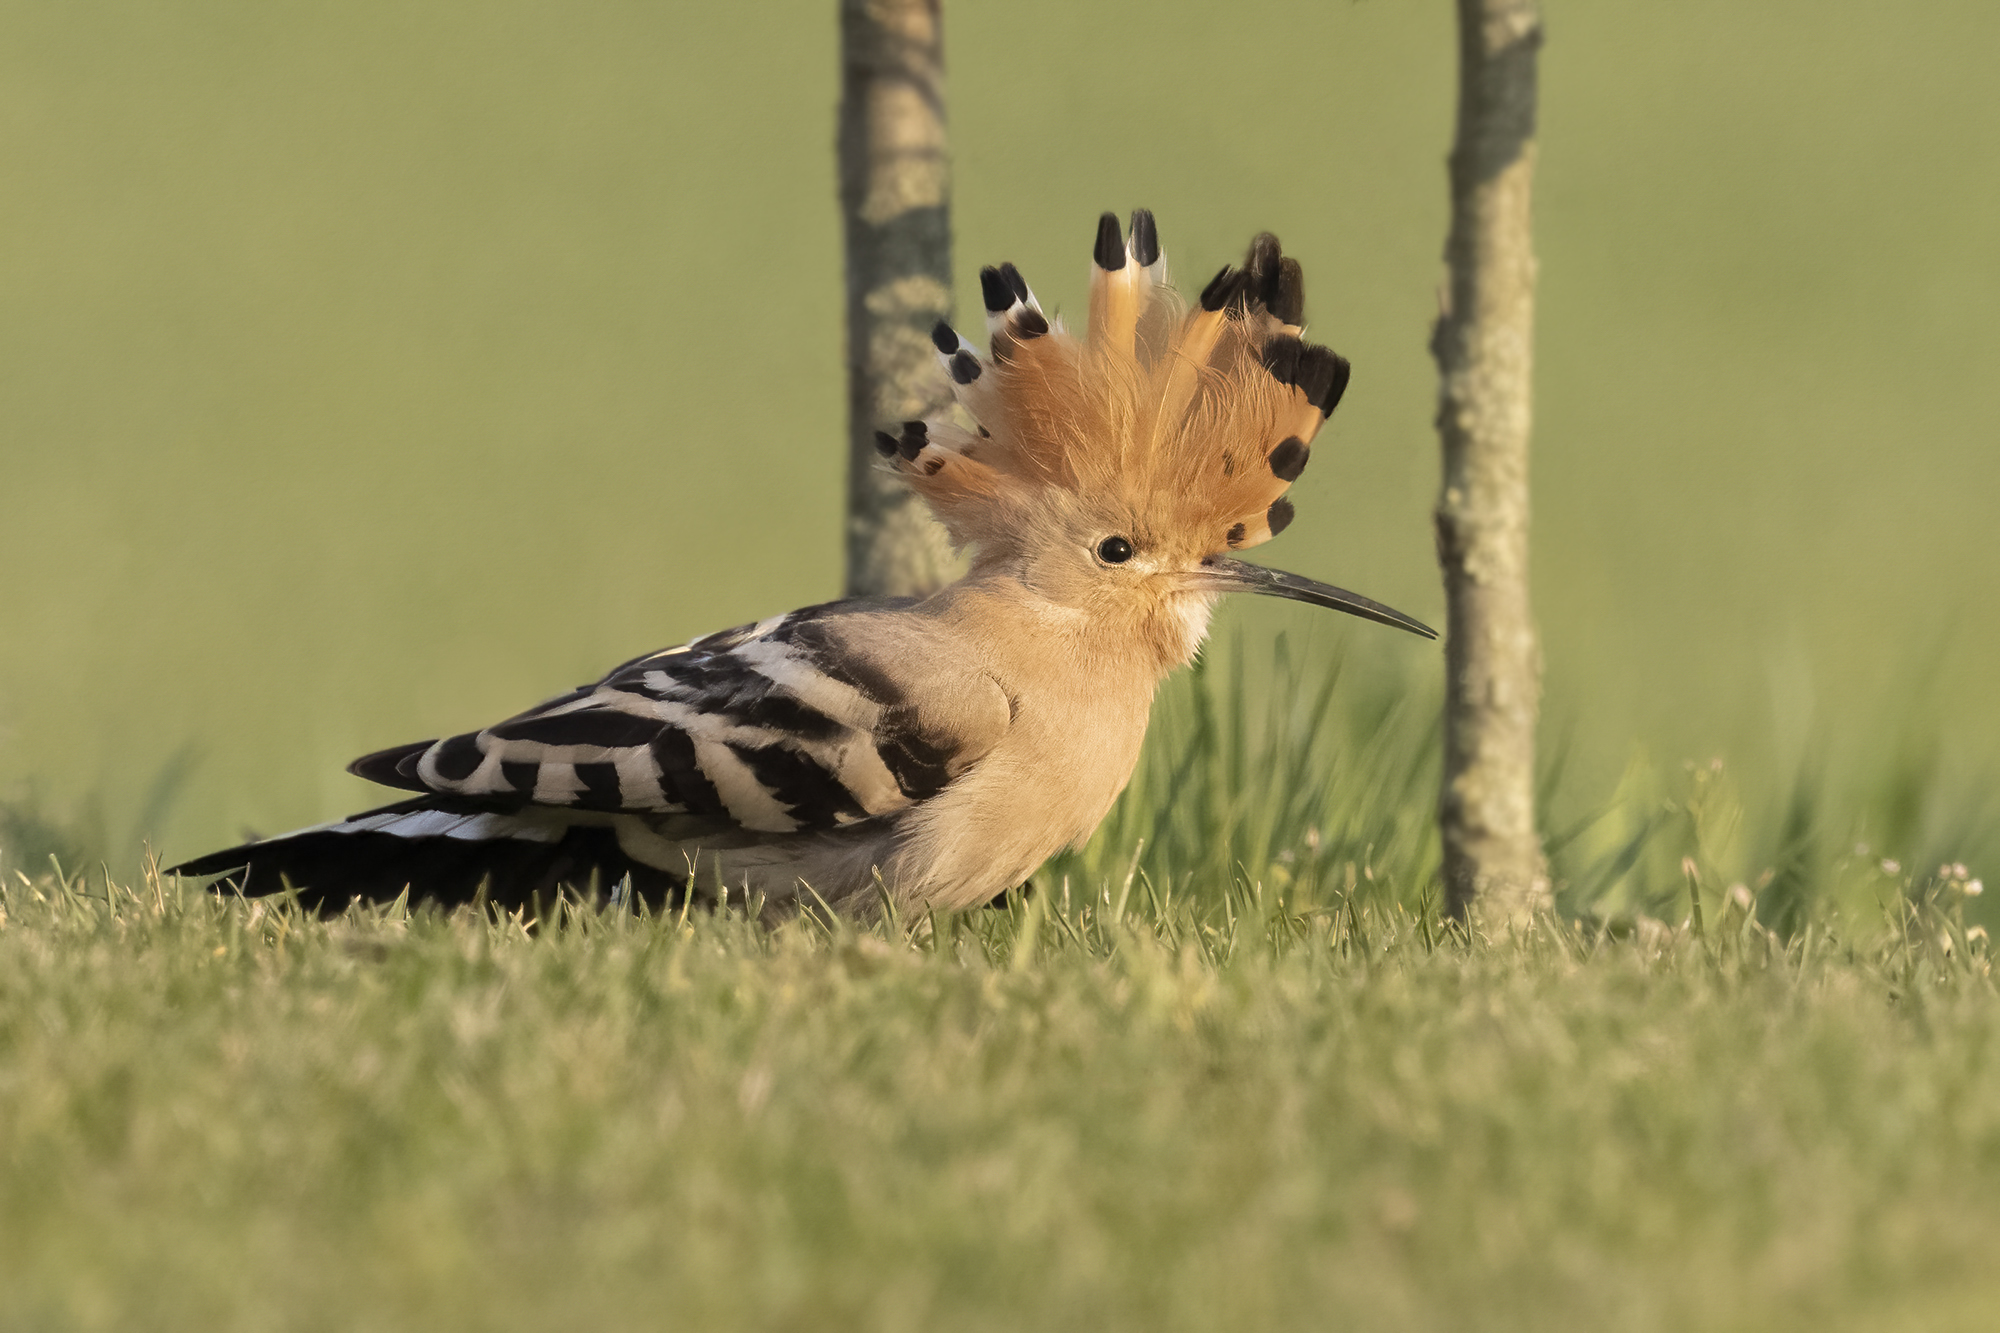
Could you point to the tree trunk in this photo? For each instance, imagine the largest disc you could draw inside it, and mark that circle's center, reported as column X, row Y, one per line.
column 896, row 209
column 1484, row 346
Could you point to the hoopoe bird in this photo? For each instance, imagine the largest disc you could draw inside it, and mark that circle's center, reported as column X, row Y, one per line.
column 935, row 750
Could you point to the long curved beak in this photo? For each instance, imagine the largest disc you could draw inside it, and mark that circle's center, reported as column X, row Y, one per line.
column 1224, row 575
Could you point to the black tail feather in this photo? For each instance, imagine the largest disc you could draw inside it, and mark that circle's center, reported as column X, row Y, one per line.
column 330, row 867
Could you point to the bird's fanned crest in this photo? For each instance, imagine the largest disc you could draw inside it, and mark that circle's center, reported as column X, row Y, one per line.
column 1194, row 420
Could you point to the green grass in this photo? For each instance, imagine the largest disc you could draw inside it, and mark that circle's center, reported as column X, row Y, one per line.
column 1223, row 1068
column 1227, row 1111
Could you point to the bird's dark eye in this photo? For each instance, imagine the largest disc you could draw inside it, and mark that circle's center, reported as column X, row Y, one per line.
column 1114, row 550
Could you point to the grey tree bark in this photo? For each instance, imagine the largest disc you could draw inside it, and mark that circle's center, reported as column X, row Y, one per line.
column 1484, row 347
column 895, row 205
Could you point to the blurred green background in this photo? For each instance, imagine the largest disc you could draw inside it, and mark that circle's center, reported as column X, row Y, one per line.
column 370, row 371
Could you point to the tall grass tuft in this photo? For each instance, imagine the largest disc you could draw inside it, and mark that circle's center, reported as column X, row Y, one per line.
column 1296, row 778
column 1299, row 779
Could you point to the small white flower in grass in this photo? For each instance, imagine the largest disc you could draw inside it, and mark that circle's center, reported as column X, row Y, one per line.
column 1958, row 870
column 1891, row 867
column 1973, row 888
column 1740, row 895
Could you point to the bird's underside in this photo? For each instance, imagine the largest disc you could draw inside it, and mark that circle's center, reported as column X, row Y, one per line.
column 767, row 761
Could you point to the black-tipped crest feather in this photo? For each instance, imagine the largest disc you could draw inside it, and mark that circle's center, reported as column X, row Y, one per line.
column 994, row 290
column 1145, row 238
column 1110, row 249
column 1288, row 460
column 1220, row 288
column 1287, row 300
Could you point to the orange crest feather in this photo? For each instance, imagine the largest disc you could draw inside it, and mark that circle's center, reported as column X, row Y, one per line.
column 1195, row 421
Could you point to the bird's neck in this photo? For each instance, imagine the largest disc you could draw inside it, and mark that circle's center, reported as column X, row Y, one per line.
column 1139, row 647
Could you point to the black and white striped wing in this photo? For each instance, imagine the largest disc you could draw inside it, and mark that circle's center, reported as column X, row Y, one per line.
column 777, row 727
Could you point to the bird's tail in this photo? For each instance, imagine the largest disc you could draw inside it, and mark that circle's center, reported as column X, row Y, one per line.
column 446, row 848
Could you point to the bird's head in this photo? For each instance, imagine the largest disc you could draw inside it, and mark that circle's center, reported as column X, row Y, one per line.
column 1113, row 475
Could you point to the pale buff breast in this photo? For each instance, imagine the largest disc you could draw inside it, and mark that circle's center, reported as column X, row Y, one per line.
column 1071, row 748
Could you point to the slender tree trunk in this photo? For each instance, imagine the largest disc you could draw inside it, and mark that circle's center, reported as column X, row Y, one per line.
column 1484, row 345
column 895, row 204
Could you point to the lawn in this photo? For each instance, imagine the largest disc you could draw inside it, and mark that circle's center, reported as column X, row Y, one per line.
column 1224, row 1068
column 1240, row 1112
